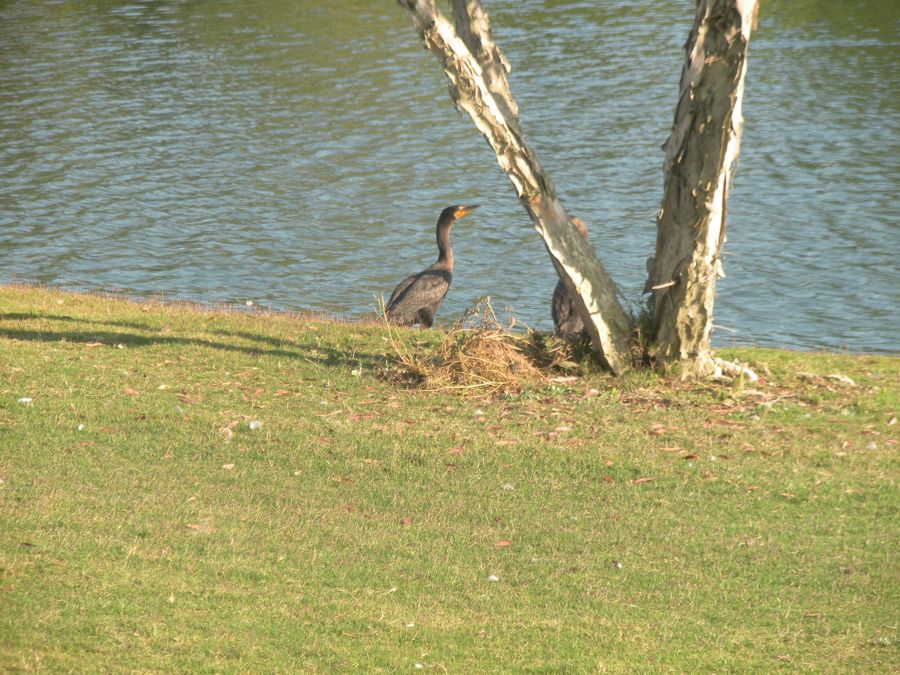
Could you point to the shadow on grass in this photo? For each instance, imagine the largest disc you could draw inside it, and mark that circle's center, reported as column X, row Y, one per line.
column 312, row 353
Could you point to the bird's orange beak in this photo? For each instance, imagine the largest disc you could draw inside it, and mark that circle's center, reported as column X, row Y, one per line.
column 465, row 210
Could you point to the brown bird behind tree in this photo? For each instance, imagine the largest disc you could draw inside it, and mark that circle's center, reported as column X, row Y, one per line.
column 417, row 298
column 565, row 318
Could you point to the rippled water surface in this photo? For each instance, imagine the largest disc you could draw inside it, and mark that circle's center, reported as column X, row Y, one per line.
column 297, row 153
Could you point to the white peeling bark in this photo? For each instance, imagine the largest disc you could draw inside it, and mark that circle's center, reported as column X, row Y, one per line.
column 700, row 157
column 477, row 73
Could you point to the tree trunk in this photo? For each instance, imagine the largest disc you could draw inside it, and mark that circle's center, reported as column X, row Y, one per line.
column 700, row 157
column 477, row 73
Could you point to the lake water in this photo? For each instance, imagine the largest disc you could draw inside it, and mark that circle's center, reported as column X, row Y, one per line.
column 297, row 154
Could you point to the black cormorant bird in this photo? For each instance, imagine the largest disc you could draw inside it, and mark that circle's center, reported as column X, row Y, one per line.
column 417, row 298
column 565, row 318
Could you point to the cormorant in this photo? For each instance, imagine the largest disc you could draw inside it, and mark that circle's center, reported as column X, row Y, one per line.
column 417, row 298
column 565, row 318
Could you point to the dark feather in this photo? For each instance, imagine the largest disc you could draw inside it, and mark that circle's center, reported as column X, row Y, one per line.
column 417, row 298
column 565, row 318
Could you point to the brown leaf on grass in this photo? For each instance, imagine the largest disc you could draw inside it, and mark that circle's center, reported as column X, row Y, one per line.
column 406, row 521
column 657, row 429
column 456, row 450
column 643, row 479
column 341, row 479
column 689, row 457
column 200, row 529
column 131, row 392
column 503, row 543
column 184, row 397
column 282, row 392
column 720, row 422
column 607, row 478
column 892, row 421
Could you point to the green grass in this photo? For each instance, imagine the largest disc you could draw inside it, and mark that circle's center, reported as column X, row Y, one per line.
column 144, row 526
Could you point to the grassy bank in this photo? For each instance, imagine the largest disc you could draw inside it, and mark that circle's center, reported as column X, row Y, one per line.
column 185, row 489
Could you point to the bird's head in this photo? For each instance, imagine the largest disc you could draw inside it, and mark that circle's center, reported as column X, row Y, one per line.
column 580, row 226
column 452, row 213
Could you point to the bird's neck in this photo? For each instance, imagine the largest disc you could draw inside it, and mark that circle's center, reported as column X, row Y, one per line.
column 445, row 253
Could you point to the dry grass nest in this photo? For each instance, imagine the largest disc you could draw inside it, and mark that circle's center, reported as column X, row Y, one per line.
column 480, row 357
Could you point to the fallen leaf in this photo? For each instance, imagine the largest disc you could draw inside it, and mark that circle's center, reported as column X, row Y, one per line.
column 406, row 521
column 657, row 429
column 689, row 457
column 341, row 479
column 228, row 467
column 843, row 379
column 643, row 479
column 503, row 543
column 456, row 450
column 892, row 421
column 607, row 479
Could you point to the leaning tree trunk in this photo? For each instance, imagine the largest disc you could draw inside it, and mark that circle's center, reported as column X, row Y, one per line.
column 477, row 73
column 700, row 156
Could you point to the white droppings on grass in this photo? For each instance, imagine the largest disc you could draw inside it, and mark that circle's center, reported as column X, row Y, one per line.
column 120, row 346
column 80, row 427
column 872, row 446
column 493, row 577
column 25, row 400
column 478, row 412
column 356, row 372
column 411, row 625
column 249, row 303
column 419, row 666
column 509, row 487
column 254, row 425
column 163, row 386
column 228, row 467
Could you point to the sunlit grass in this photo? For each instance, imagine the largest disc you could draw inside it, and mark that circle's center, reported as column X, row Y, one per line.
column 191, row 489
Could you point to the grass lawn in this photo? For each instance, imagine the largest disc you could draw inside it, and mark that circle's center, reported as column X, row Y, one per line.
column 194, row 490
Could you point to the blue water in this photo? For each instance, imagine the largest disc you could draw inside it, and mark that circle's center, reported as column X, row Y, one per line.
column 297, row 155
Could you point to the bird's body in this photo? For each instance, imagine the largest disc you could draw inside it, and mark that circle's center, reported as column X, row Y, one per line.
column 417, row 298
column 565, row 317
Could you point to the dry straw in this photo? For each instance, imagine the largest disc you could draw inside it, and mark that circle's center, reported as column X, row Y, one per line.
column 480, row 357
